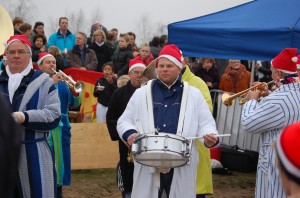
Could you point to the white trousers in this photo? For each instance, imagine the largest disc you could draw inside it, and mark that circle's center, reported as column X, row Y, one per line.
column 101, row 113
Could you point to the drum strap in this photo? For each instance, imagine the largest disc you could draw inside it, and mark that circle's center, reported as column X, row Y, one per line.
column 182, row 108
column 150, row 106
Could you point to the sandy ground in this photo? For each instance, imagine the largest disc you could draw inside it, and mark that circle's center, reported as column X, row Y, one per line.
column 101, row 183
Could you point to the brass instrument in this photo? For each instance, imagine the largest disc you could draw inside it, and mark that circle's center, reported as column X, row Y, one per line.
column 129, row 155
column 149, row 73
column 76, row 86
column 228, row 98
column 7, row 28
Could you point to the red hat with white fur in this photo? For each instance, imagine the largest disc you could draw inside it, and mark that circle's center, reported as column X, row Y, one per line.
column 172, row 53
column 286, row 60
column 136, row 62
column 298, row 62
column 4, row 56
column 288, row 150
column 42, row 56
column 21, row 38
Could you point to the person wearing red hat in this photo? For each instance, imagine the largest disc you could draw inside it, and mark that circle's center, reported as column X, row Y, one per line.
column 33, row 98
column 59, row 138
column 3, row 62
column 268, row 116
column 287, row 148
column 298, row 65
column 155, row 109
column 116, row 107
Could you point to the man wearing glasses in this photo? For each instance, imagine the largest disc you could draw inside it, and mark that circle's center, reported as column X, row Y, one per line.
column 116, row 107
column 33, row 99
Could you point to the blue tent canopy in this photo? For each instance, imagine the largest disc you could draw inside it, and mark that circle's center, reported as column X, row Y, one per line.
column 257, row 30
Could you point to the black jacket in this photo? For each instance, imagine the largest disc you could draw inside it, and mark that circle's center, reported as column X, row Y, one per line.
column 121, row 60
column 10, row 142
column 116, row 107
column 103, row 53
column 104, row 95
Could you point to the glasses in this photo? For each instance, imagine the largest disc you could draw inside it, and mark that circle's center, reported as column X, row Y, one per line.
column 137, row 72
column 19, row 52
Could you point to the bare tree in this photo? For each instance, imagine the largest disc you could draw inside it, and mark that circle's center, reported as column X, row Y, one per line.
column 77, row 21
column 52, row 25
column 144, row 29
column 24, row 9
column 96, row 15
column 160, row 28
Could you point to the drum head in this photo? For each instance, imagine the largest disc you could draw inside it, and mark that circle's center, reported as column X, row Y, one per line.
column 159, row 159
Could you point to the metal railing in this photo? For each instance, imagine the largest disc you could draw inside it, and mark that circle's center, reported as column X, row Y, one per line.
column 228, row 120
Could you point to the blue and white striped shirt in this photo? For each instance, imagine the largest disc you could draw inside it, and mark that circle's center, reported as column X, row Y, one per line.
column 268, row 118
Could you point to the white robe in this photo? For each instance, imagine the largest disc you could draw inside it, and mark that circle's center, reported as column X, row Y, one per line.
column 198, row 121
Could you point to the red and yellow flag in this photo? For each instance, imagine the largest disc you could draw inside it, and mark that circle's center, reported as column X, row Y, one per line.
column 89, row 78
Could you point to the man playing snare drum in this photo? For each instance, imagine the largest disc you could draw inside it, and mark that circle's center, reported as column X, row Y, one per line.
column 168, row 92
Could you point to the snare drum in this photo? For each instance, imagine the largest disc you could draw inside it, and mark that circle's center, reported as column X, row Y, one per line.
column 162, row 150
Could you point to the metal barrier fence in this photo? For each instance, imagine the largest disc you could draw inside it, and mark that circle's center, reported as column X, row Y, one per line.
column 228, row 120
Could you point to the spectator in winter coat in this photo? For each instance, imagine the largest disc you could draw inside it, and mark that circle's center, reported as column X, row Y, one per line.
column 80, row 56
column 39, row 45
column 208, row 72
column 63, row 38
column 122, row 56
column 145, row 54
column 102, row 50
column 235, row 78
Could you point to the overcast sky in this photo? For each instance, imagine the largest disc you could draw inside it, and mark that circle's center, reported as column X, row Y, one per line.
column 124, row 15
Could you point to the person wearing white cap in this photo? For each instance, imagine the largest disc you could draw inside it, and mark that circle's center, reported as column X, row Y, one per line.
column 33, row 99
column 146, row 114
column 287, row 148
column 268, row 116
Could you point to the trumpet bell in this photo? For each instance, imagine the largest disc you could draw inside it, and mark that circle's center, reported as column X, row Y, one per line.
column 7, row 28
column 78, row 87
column 226, row 99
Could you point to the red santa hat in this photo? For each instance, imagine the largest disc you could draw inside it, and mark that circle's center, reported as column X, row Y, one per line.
column 4, row 56
column 172, row 53
column 298, row 62
column 286, row 60
column 136, row 62
column 42, row 56
column 288, row 150
column 21, row 38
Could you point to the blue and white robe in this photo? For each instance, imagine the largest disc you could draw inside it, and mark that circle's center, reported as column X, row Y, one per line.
column 38, row 99
column 268, row 118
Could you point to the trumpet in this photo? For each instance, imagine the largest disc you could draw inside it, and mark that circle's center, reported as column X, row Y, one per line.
column 227, row 98
column 75, row 86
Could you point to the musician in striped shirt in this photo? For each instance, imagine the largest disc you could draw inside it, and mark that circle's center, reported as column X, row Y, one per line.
column 269, row 115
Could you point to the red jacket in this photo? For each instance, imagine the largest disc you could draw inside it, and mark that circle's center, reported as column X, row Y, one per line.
column 243, row 81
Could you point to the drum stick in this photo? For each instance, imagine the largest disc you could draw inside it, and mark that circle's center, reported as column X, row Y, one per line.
column 221, row 135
